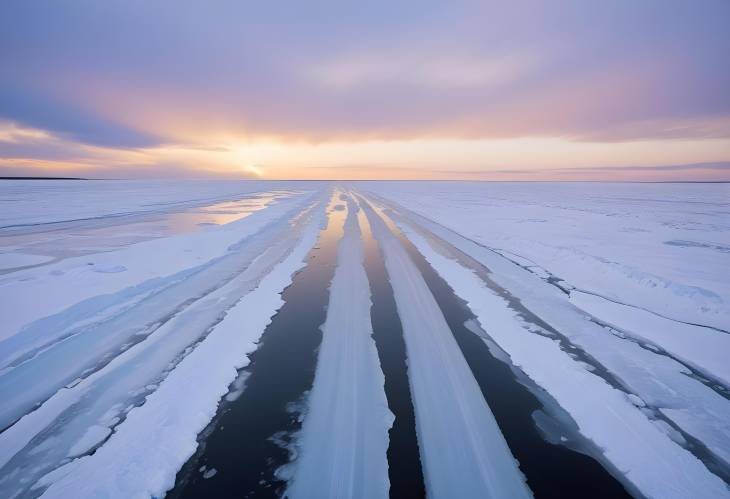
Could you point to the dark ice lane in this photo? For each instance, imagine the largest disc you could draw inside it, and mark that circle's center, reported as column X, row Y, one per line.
column 243, row 444
column 404, row 465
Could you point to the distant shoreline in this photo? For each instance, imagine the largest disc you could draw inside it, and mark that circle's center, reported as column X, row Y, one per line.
column 404, row 180
column 43, row 178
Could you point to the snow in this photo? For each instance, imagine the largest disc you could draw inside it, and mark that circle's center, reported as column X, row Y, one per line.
column 658, row 379
column 100, row 385
column 93, row 437
column 702, row 348
column 55, row 350
column 73, row 280
column 127, row 308
column 462, row 449
column 661, row 247
column 24, row 204
column 630, row 441
column 343, row 442
column 14, row 260
column 173, row 415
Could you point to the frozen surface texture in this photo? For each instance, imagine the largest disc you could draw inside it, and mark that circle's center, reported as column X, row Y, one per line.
column 660, row 247
column 601, row 412
column 128, row 307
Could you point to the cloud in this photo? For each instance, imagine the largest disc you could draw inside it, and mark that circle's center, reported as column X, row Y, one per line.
column 720, row 166
column 441, row 71
column 34, row 108
column 137, row 74
column 214, row 88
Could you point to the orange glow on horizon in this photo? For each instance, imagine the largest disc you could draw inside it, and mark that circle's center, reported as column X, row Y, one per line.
column 432, row 158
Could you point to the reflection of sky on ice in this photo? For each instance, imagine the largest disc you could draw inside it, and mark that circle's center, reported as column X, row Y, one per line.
column 30, row 248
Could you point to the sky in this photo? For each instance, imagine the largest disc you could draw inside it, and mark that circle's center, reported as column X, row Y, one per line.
column 483, row 90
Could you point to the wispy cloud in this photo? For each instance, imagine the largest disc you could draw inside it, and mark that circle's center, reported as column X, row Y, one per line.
column 721, row 166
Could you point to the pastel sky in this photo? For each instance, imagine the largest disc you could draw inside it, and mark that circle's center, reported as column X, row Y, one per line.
column 483, row 90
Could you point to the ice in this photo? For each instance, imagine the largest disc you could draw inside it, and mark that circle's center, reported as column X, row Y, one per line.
column 462, row 449
column 55, row 350
column 615, row 240
column 93, row 437
column 127, row 309
column 344, row 438
column 667, row 385
column 15, row 260
column 55, row 202
column 58, row 422
column 703, row 348
column 664, row 383
column 109, row 268
column 632, row 443
column 73, row 282
column 173, row 415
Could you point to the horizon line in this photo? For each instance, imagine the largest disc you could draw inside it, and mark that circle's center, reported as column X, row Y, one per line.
column 378, row 180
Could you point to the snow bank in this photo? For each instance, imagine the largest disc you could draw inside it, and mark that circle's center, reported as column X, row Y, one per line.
column 343, row 443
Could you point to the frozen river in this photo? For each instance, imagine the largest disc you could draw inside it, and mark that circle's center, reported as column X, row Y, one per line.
column 364, row 339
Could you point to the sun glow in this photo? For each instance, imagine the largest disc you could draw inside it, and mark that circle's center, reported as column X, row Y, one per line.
column 256, row 170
